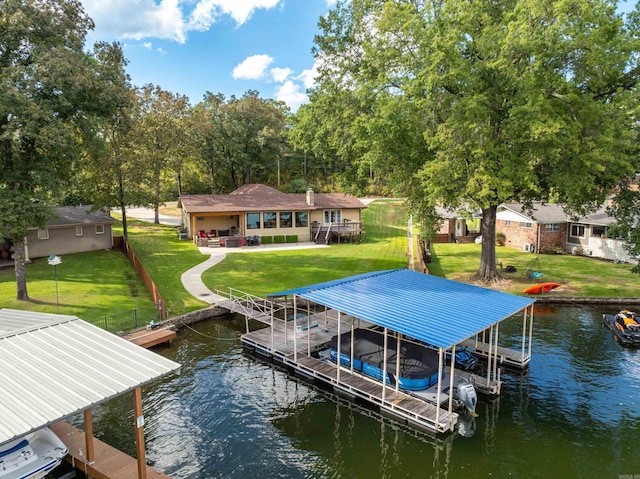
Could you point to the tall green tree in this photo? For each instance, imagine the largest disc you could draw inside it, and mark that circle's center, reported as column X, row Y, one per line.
column 472, row 104
column 110, row 173
column 50, row 93
column 159, row 136
column 240, row 139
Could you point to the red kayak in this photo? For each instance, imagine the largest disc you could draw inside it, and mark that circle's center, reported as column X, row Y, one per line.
column 541, row 288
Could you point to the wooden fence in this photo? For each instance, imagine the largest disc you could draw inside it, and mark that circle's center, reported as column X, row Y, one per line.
column 148, row 282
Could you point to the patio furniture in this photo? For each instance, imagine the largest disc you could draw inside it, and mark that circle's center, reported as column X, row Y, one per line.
column 253, row 240
column 202, row 234
column 232, row 242
column 213, row 233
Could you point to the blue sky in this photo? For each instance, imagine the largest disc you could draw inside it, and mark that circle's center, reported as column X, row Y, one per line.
column 222, row 46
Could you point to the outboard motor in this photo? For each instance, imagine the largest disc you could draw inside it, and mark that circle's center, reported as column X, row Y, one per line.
column 467, row 395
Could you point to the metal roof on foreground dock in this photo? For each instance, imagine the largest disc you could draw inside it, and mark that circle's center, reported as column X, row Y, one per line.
column 438, row 311
column 56, row 365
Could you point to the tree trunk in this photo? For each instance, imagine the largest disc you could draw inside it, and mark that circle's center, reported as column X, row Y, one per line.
column 156, row 207
column 21, row 269
column 488, row 271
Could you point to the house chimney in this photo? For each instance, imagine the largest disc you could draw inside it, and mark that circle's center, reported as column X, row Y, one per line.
column 310, row 199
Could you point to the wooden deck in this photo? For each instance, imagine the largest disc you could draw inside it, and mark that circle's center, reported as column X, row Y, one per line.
column 109, row 463
column 148, row 338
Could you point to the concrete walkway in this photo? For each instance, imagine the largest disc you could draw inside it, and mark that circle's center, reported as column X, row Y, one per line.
column 192, row 279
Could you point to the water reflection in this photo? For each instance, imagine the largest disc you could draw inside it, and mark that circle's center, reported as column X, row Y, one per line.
column 573, row 414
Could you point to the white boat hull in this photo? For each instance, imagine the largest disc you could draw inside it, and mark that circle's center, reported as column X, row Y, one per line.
column 32, row 456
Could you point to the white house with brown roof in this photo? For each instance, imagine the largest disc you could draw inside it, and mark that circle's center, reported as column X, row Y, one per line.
column 256, row 210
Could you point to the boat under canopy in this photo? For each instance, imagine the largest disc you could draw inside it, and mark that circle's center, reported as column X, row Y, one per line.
column 415, row 369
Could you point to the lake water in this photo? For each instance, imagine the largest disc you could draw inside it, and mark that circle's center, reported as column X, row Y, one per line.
column 574, row 414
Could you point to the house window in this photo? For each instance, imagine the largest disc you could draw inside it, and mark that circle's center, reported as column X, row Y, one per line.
column 577, row 231
column 332, row 216
column 253, row 221
column 552, row 227
column 269, row 220
column 507, row 222
column 302, row 219
column 524, row 224
column 43, row 234
column 99, row 229
column 78, row 230
column 599, row 231
column 286, row 219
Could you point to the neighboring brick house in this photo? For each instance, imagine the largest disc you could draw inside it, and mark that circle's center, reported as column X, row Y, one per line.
column 543, row 227
column 548, row 226
column 256, row 210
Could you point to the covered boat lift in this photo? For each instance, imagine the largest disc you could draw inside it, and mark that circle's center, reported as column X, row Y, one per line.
column 406, row 304
column 54, row 366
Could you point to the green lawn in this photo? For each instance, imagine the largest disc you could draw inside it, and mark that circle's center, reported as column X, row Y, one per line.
column 578, row 275
column 103, row 283
column 165, row 257
column 90, row 286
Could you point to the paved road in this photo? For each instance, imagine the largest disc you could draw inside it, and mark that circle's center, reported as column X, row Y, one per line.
column 147, row 214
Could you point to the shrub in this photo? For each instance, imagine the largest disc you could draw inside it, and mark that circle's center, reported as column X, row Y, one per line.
column 278, row 239
column 501, row 238
column 291, row 238
column 266, row 239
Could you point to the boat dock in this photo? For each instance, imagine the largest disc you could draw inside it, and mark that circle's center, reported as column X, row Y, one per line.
column 384, row 301
column 109, row 463
column 295, row 354
column 148, row 338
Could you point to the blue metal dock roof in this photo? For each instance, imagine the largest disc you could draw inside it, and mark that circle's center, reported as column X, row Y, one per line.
column 435, row 310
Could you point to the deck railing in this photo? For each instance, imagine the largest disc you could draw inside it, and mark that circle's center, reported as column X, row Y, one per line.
column 249, row 303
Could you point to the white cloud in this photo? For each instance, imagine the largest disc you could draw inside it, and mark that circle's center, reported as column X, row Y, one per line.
column 280, row 74
column 137, row 19
column 252, row 68
column 206, row 11
column 290, row 93
column 165, row 19
column 147, row 45
column 162, row 50
column 308, row 77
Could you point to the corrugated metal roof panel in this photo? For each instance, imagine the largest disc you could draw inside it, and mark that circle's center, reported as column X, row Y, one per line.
column 54, row 366
column 435, row 310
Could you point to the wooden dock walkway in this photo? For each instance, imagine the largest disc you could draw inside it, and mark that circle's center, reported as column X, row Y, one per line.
column 147, row 338
column 109, row 462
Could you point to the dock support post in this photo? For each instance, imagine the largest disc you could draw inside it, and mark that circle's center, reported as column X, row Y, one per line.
column 88, row 436
column 384, row 364
column 339, row 361
column 524, row 330
column 440, row 366
column 489, row 354
column 139, row 418
column 452, row 373
column 530, row 329
column 295, row 326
